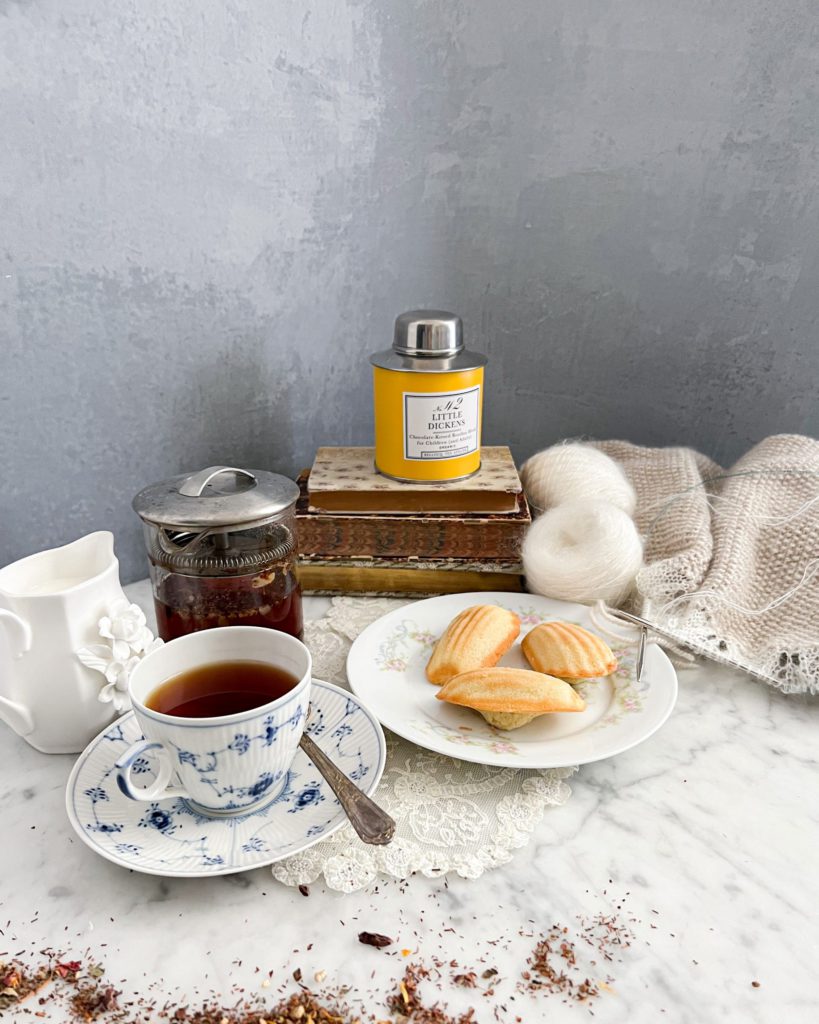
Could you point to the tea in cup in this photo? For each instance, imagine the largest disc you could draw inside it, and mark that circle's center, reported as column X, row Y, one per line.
column 221, row 712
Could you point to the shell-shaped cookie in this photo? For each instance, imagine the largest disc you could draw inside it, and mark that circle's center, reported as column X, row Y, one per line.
column 567, row 651
column 511, row 691
column 477, row 638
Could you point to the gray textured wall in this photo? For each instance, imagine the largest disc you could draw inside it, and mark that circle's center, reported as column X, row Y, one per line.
column 212, row 210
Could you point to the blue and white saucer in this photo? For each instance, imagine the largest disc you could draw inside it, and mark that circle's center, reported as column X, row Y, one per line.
column 169, row 838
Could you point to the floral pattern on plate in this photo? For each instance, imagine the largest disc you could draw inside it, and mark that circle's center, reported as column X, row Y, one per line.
column 627, row 695
column 404, row 642
column 487, row 736
column 170, row 838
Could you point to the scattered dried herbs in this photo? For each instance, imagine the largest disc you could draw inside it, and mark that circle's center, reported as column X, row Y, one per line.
column 407, row 1006
column 69, row 969
column 553, row 965
column 18, row 982
column 552, row 957
column 303, row 1007
column 90, row 1002
column 467, row 979
column 563, row 962
column 374, row 939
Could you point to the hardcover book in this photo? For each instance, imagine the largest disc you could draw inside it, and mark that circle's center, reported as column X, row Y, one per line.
column 484, row 535
column 407, row 576
column 345, row 480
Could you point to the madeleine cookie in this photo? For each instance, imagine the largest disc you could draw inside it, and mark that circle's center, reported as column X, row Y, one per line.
column 510, row 697
column 477, row 638
column 567, row 651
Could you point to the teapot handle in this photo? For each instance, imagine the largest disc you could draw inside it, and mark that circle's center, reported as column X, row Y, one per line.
column 193, row 486
column 14, row 714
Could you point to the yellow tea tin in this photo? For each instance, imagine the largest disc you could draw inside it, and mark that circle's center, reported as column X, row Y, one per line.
column 428, row 393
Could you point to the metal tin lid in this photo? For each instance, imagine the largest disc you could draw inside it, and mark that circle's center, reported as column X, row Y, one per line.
column 217, row 496
column 428, row 332
column 428, row 340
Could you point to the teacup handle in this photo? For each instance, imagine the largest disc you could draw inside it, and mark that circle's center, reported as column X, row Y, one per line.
column 159, row 788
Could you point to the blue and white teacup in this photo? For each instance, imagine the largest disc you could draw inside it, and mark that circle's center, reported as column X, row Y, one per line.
column 227, row 765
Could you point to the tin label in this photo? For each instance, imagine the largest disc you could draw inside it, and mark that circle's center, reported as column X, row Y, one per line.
column 442, row 425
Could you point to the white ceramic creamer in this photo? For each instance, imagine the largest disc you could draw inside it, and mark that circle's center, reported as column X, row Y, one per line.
column 50, row 607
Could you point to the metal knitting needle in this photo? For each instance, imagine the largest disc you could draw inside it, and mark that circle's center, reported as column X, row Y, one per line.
column 619, row 613
column 641, row 653
column 678, row 642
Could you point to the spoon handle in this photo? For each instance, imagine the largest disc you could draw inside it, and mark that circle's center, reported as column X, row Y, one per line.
column 372, row 824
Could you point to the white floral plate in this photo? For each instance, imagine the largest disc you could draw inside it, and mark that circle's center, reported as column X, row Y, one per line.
column 386, row 665
column 169, row 838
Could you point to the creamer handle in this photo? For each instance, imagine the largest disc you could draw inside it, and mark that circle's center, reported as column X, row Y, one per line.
column 16, row 717
column 18, row 634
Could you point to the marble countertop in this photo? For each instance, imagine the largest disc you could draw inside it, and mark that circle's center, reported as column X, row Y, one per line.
column 704, row 839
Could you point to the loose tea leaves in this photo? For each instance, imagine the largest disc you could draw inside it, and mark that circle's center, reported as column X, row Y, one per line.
column 90, row 1002
column 17, row 982
column 374, row 939
column 553, row 965
column 570, row 963
column 407, row 1006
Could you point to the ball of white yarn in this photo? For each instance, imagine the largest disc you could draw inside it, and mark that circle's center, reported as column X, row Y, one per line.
column 568, row 471
column 582, row 551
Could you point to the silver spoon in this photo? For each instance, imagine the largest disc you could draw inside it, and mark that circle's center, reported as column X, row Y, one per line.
column 372, row 824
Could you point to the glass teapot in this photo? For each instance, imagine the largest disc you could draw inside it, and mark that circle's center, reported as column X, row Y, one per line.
column 222, row 550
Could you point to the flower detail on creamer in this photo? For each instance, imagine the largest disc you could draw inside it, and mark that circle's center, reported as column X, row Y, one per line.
column 126, row 640
column 125, row 626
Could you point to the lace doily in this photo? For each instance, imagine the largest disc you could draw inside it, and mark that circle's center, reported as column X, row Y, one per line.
column 451, row 815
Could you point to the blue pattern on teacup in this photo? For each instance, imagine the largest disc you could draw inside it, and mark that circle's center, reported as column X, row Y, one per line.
column 172, row 836
column 212, row 765
column 230, row 766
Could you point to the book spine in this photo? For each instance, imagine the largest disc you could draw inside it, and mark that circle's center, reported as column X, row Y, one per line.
column 371, row 537
column 324, row 579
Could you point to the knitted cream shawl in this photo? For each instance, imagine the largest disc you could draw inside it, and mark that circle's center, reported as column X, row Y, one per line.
column 732, row 556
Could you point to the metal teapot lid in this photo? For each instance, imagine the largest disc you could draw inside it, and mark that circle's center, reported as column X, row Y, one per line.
column 216, row 496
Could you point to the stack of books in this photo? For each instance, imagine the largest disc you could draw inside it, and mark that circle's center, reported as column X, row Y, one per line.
column 360, row 532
